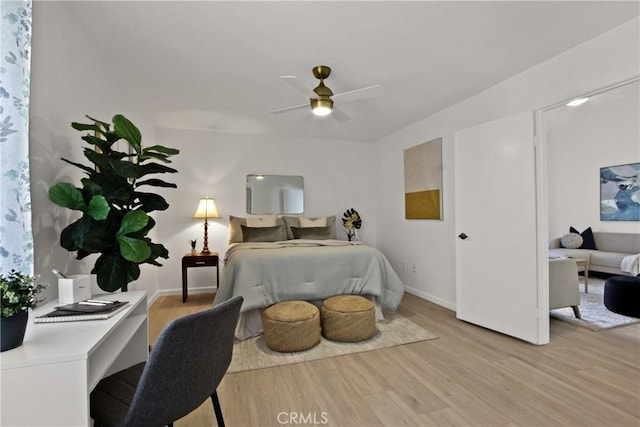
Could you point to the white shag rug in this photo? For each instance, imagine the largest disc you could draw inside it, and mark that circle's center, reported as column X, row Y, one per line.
column 595, row 315
column 394, row 330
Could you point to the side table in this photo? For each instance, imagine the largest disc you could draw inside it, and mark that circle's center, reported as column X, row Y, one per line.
column 198, row 259
column 584, row 263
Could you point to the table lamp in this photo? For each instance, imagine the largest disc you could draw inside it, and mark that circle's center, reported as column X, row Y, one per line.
column 206, row 210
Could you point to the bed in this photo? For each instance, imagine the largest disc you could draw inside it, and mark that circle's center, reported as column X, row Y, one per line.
column 265, row 273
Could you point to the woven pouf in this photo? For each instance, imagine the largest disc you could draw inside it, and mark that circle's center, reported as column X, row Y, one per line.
column 291, row 326
column 348, row 318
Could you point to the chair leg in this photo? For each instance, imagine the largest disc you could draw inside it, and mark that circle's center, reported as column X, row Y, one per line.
column 217, row 409
column 576, row 312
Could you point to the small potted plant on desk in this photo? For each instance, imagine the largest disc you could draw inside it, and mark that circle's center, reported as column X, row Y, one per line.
column 19, row 294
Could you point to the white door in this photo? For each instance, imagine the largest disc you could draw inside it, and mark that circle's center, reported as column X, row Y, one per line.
column 495, row 199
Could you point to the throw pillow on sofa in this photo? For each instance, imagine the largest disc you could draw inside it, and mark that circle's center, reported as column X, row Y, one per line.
column 588, row 242
column 571, row 240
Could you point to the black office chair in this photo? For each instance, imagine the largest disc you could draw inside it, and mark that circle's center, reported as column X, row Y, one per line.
column 186, row 365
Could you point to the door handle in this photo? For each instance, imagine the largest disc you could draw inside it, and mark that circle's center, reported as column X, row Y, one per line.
column 462, row 236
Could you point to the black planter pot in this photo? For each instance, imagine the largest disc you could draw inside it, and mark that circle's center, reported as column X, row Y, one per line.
column 12, row 330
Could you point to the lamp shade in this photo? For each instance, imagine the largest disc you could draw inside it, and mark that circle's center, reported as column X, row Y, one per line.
column 206, row 209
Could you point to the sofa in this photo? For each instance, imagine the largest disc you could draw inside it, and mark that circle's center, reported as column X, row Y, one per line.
column 564, row 285
column 611, row 249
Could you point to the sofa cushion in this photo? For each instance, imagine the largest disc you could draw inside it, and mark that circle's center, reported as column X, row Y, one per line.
column 607, row 259
column 588, row 241
column 628, row 243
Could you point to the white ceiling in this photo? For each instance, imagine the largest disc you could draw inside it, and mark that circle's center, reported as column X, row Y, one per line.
column 216, row 65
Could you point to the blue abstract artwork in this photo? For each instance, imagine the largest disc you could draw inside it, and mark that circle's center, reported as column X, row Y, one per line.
column 620, row 193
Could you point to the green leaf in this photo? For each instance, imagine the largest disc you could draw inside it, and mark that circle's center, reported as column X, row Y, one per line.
column 85, row 126
column 111, row 137
column 99, row 237
column 98, row 208
column 128, row 131
column 157, row 251
column 71, row 236
column 152, row 202
column 159, row 148
column 133, row 221
column 126, row 169
column 155, row 168
column 66, row 195
column 156, row 183
column 103, row 145
column 90, row 188
column 113, row 272
column 158, row 152
column 134, row 250
column 105, row 126
column 79, row 165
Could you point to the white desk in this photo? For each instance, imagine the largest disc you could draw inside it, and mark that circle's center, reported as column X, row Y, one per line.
column 47, row 380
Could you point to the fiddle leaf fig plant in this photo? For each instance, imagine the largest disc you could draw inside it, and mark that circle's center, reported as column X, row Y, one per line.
column 115, row 220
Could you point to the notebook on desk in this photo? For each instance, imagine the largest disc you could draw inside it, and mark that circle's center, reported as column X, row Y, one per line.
column 82, row 310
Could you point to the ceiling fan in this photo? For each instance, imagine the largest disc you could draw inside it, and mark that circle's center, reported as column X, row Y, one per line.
column 321, row 98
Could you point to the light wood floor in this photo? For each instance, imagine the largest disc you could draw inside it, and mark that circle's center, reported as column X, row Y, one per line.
column 470, row 376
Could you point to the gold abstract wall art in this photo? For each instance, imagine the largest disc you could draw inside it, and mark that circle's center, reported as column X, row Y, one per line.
column 423, row 181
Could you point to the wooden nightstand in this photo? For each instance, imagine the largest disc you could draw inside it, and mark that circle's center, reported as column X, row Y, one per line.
column 197, row 259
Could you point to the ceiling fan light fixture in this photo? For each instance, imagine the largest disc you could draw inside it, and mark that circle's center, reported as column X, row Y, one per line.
column 321, row 106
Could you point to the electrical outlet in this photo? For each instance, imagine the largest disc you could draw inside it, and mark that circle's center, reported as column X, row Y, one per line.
column 413, row 268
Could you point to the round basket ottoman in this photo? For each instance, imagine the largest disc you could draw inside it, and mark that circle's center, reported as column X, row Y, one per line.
column 348, row 318
column 622, row 295
column 291, row 326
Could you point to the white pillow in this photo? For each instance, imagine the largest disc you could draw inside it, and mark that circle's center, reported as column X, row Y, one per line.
column 313, row 222
column 263, row 221
column 571, row 241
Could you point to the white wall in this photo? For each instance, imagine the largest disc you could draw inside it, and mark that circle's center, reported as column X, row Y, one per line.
column 581, row 140
column 337, row 176
column 609, row 58
column 69, row 78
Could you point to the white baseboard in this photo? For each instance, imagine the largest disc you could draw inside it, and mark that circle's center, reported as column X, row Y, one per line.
column 152, row 298
column 431, row 298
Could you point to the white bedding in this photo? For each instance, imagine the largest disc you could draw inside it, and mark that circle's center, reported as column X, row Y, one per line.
column 311, row 270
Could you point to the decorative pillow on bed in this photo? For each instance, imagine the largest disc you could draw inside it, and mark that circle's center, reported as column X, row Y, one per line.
column 263, row 234
column 312, row 222
column 235, row 231
column 313, row 233
column 294, row 221
column 262, row 221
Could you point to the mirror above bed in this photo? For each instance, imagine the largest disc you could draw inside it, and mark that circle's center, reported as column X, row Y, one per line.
column 269, row 194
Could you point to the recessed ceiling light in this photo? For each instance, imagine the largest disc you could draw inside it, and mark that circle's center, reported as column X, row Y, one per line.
column 576, row 102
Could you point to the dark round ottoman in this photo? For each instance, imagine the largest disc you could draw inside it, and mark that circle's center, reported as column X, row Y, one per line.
column 622, row 295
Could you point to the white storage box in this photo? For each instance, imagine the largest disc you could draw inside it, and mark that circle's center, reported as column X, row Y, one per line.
column 74, row 289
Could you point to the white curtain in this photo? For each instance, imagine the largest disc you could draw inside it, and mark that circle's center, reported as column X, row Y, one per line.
column 16, row 238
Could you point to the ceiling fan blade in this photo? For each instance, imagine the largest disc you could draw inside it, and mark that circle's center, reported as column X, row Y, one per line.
column 339, row 115
column 295, row 83
column 284, row 110
column 362, row 93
